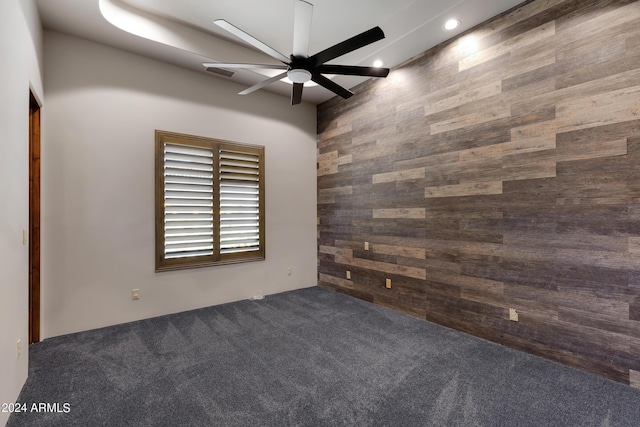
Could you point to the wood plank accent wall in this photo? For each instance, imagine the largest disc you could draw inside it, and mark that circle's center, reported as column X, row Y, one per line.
column 500, row 169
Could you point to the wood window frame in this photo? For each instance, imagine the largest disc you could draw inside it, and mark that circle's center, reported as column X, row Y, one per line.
column 217, row 258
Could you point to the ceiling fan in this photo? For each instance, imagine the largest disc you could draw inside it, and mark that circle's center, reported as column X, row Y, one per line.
column 299, row 67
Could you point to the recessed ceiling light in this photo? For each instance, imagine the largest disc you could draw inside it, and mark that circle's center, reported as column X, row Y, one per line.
column 378, row 63
column 451, row 24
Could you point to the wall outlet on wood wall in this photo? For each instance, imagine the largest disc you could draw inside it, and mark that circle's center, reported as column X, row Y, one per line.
column 513, row 314
column 388, row 284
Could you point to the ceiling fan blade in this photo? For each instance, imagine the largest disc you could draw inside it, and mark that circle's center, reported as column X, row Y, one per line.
column 251, row 40
column 349, row 70
column 349, row 45
column 296, row 94
column 333, row 87
column 302, row 28
column 262, row 66
column 263, row 84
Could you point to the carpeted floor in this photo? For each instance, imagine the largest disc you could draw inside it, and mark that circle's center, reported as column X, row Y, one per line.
column 310, row 357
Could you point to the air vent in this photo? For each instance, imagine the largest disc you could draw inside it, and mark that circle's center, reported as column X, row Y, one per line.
column 220, row 71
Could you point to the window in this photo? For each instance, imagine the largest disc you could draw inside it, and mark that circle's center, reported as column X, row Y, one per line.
column 209, row 202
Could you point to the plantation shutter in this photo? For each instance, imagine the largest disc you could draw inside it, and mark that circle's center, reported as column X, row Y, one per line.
column 239, row 177
column 188, row 201
column 209, row 202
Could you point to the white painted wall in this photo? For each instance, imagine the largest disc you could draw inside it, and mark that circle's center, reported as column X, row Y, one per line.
column 20, row 49
column 102, row 108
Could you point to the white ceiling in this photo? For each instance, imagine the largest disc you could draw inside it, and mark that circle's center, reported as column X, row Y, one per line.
column 182, row 31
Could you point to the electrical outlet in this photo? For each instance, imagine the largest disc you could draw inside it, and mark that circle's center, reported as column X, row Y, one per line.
column 348, row 275
column 289, row 271
column 366, row 246
column 513, row 314
column 388, row 284
column 24, row 236
column 135, row 294
column 18, row 348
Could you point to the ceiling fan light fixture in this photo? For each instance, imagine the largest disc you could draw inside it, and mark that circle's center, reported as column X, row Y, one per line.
column 310, row 83
column 299, row 75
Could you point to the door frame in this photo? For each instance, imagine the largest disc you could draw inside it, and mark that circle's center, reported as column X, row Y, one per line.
column 34, row 219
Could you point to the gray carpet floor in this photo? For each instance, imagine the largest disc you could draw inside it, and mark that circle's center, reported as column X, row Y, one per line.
column 309, row 357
